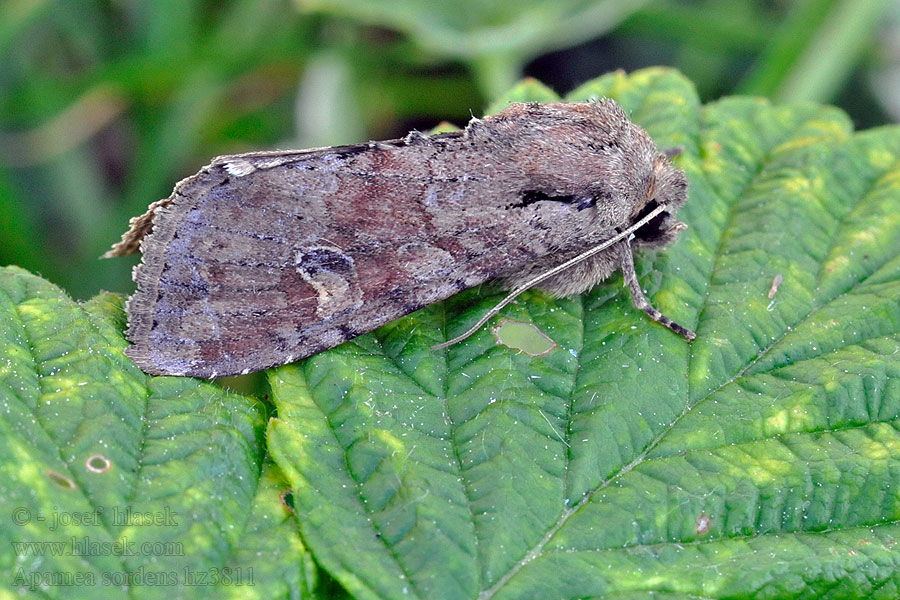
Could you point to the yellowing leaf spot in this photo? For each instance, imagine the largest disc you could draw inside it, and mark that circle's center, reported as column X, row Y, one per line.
column 666, row 98
column 865, row 235
column 26, row 472
column 797, row 185
column 390, row 440
column 881, row 158
column 712, row 163
column 875, row 450
column 758, row 475
column 29, row 309
column 798, row 142
column 891, row 179
column 838, row 263
column 777, row 422
column 777, row 465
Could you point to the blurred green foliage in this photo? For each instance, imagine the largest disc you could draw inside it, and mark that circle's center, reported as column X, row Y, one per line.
column 105, row 105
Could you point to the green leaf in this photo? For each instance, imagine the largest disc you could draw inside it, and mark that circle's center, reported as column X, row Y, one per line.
column 119, row 484
column 760, row 461
column 528, row 90
column 270, row 561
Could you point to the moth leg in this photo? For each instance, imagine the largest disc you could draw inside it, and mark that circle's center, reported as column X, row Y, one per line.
column 637, row 296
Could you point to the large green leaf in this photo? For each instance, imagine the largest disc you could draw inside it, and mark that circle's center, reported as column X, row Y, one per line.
column 763, row 460
column 121, row 485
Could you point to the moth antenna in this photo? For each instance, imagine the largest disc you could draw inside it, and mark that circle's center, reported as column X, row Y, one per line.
column 555, row 271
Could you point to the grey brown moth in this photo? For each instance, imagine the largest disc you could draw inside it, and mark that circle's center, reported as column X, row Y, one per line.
column 264, row 258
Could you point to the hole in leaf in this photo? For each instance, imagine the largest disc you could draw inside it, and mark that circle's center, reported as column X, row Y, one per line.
column 60, row 479
column 97, row 463
column 703, row 524
column 522, row 336
column 287, row 500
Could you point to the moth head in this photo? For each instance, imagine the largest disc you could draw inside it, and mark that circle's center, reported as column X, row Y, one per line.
column 667, row 187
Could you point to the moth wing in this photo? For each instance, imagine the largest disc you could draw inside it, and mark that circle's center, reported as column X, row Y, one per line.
column 249, row 266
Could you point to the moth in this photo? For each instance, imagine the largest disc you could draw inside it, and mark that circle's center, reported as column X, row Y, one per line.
column 264, row 258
